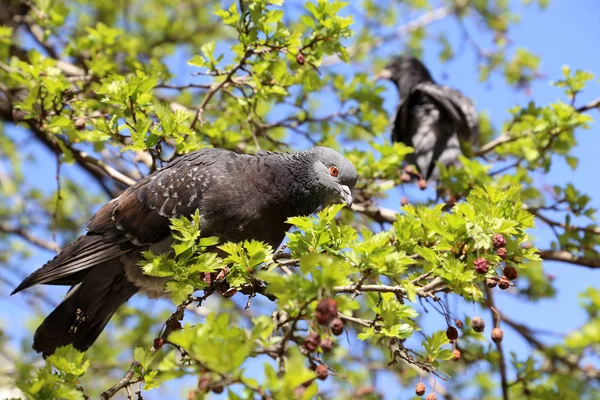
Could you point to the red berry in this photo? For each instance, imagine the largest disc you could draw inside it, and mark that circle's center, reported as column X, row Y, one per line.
column 478, row 324
column 158, row 343
column 326, row 310
column 322, row 372
column 300, row 59
column 451, row 333
column 499, row 241
column 459, row 323
column 404, row 201
column 481, row 265
column 422, row 184
column 502, row 253
column 327, row 344
column 337, row 326
column 511, row 273
column 431, row 396
column 497, row 335
column 409, row 169
column 491, row 282
column 420, row 389
column 455, row 355
column 404, row 177
column 504, row 283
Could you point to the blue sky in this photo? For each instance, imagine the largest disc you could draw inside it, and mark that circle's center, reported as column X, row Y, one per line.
column 565, row 33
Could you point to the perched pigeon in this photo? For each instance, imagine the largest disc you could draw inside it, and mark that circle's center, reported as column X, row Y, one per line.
column 431, row 118
column 240, row 197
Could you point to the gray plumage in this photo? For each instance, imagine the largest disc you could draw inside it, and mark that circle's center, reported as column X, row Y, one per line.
column 240, row 197
column 431, row 118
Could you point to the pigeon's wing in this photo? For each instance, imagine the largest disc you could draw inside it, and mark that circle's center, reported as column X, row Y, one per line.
column 137, row 217
column 455, row 105
column 141, row 213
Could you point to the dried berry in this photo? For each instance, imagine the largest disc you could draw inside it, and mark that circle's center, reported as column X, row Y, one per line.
column 499, row 241
column 478, row 324
column 497, row 335
column 511, row 273
column 491, row 282
column 300, row 59
column 404, row 177
column 207, row 278
column 337, row 326
column 80, row 124
column 451, row 333
column 481, row 265
column 455, row 355
column 502, row 253
column 504, row 283
column 431, row 396
column 420, row 389
column 422, row 184
column 312, row 342
column 404, row 201
column 158, row 343
column 327, row 344
column 459, row 323
column 326, row 310
column 322, row 372
column 218, row 389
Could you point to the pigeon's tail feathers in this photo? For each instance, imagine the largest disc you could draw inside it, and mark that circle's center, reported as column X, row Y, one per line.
column 69, row 266
column 86, row 309
column 446, row 152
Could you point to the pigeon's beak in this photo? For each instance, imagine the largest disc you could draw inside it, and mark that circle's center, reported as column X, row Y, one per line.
column 384, row 74
column 346, row 195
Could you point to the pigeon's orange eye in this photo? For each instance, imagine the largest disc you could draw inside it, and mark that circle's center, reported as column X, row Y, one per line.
column 334, row 171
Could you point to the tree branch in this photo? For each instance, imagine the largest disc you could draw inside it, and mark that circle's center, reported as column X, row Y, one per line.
column 19, row 231
column 436, row 285
column 216, row 88
column 426, row 19
column 565, row 256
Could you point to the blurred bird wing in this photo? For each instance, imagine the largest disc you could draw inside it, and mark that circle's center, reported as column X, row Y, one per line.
column 454, row 104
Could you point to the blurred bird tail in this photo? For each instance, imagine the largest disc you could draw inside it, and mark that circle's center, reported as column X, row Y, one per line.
column 446, row 151
column 86, row 309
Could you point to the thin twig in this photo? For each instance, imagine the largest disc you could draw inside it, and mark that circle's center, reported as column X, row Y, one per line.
column 125, row 382
column 502, row 361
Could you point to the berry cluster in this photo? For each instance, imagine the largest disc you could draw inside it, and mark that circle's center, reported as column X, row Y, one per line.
column 481, row 265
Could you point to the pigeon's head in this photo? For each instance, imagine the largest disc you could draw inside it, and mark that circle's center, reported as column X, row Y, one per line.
column 405, row 71
column 335, row 175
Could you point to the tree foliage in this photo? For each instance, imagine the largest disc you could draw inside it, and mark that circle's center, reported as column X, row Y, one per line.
column 95, row 85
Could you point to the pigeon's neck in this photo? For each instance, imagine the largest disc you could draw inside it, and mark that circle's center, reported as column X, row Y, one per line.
column 407, row 81
column 302, row 197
